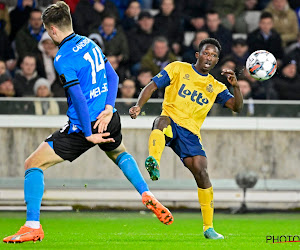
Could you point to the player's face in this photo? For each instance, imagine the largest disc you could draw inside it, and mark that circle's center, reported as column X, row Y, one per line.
column 207, row 58
column 52, row 34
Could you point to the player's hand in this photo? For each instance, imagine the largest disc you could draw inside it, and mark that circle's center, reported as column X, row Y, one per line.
column 231, row 78
column 103, row 119
column 134, row 111
column 98, row 138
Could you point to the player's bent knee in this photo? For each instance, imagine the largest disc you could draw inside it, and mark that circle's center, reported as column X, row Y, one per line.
column 161, row 122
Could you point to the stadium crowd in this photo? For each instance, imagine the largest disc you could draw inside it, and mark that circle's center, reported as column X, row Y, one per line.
column 140, row 37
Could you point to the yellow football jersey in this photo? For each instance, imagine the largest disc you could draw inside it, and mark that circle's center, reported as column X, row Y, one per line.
column 189, row 95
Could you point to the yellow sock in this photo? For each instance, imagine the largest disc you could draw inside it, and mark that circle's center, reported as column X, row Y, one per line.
column 156, row 144
column 205, row 197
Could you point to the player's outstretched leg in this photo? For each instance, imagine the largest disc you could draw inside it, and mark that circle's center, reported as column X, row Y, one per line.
column 128, row 165
column 161, row 212
column 33, row 191
column 41, row 159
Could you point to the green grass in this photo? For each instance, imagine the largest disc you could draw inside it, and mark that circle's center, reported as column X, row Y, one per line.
column 133, row 230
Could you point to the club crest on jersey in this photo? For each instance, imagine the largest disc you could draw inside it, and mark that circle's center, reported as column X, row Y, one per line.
column 195, row 95
column 186, row 77
column 159, row 75
column 209, row 88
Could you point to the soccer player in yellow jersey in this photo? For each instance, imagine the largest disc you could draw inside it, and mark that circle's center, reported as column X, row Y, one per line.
column 189, row 95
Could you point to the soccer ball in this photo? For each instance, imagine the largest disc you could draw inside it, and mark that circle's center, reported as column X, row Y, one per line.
column 261, row 65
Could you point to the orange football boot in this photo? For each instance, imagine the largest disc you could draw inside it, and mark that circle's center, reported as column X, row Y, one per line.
column 161, row 212
column 25, row 234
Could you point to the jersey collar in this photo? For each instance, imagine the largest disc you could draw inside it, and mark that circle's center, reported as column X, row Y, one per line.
column 68, row 38
column 198, row 71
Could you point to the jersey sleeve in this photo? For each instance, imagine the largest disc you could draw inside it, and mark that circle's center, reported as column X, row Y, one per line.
column 67, row 74
column 224, row 95
column 164, row 78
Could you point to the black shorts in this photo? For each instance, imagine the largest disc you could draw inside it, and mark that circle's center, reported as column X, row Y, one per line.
column 70, row 146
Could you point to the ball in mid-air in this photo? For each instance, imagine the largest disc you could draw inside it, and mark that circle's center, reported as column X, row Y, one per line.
column 261, row 65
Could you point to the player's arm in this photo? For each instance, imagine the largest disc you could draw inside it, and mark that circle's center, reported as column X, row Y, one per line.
column 235, row 103
column 105, row 116
column 161, row 80
column 81, row 108
column 142, row 99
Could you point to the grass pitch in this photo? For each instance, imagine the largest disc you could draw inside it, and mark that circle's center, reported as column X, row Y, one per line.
column 134, row 230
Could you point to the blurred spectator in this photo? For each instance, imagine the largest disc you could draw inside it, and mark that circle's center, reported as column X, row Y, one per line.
column 246, row 91
column 127, row 90
column 48, row 51
column 25, row 79
column 193, row 12
column 294, row 53
column 189, row 54
column 114, row 39
column 122, row 6
column 72, row 4
column 240, row 52
column 28, row 37
column 20, row 16
column 245, row 88
column 168, row 23
column 294, row 4
column 232, row 14
column 89, row 14
column 285, row 20
column 218, row 31
column 140, row 40
column 57, row 88
column 287, row 82
column 250, row 5
column 143, row 78
column 226, row 63
column 48, row 107
column 4, row 19
column 265, row 37
column 158, row 56
column 6, row 86
column 121, row 70
column 131, row 15
column 6, row 51
column 2, row 68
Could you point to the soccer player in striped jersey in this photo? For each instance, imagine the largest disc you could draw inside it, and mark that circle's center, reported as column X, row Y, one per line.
column 91, row 86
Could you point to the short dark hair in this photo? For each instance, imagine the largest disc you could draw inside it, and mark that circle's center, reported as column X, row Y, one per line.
column 265, row 15
column 212, row 12
column 212, row 41
column 58, row 14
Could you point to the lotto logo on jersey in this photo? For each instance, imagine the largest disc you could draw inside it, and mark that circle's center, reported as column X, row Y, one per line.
column 195, row 95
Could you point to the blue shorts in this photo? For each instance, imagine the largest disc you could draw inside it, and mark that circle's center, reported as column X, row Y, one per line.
column 184, row 143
